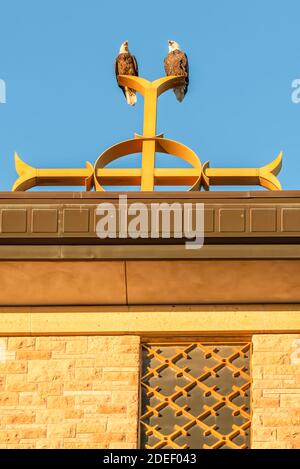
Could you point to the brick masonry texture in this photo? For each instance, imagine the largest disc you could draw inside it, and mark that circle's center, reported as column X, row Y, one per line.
column 82, row 391
column 69, row 392
column 276, row 391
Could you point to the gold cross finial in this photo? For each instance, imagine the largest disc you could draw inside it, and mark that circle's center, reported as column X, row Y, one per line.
column 148, row 144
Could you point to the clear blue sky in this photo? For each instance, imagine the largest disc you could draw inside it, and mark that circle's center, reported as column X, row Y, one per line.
column 64, row 107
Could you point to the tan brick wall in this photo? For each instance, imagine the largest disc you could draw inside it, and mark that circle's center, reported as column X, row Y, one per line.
column 82, row 391
column 69, row 392
column 276, row 391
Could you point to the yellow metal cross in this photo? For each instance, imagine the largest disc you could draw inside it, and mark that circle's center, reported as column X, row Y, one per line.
column 148, row 144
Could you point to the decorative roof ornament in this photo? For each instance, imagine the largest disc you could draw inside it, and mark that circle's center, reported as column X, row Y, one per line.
column 196, row 176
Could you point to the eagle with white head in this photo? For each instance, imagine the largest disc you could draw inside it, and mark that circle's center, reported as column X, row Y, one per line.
column 176, row 63
column 126, row 64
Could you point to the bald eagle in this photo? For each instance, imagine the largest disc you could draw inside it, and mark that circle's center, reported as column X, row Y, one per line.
column 176, row 63
column 126, row 64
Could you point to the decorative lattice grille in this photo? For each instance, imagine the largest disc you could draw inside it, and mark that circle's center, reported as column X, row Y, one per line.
column 195, row 396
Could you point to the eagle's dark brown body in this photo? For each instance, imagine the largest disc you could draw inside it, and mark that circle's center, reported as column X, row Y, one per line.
column 126, row 64
column 176, row 63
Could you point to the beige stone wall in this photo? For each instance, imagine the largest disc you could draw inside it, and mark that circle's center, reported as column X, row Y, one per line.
column 276, row 391
column 69, row 392
column 82, row 391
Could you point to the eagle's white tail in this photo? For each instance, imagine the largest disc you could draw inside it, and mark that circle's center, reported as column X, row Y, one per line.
column 130, row 96
column 179, row 92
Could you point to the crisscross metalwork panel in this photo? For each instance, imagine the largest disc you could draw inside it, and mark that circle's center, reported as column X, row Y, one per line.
column 195, row 396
